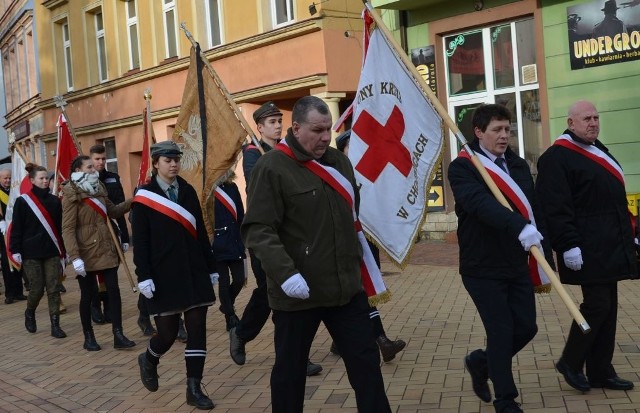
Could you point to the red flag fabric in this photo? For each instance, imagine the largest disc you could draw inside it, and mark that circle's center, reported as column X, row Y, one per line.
column 65, row 153
column 145, row 163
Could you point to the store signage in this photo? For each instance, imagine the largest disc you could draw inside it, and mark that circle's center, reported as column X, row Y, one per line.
column 424, row 59
column 603, row 33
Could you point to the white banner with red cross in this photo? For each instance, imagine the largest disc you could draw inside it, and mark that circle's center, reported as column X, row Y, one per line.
column 395, row 146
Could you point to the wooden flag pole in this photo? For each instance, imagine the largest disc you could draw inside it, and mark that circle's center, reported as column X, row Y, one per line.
column 224, row 90
column 553, row 278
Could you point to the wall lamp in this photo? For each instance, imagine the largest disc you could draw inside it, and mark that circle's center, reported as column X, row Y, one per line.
column 312, row 7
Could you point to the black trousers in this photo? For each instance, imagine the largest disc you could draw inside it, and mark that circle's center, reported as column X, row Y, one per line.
column 600, row 308
column 350, row 328
column 257, row 311
column 230, row 283
column 89, row 286
column 507, row 308
column 12, row 279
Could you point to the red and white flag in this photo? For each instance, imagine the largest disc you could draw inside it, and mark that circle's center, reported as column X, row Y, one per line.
column 395, row 146
column 66, row 151
column 144, row 174
column 20, row 184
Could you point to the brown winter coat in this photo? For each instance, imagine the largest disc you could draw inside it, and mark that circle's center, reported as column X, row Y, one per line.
column 85, row 233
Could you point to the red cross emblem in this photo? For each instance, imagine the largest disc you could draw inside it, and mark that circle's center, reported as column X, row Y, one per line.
column 384, row 145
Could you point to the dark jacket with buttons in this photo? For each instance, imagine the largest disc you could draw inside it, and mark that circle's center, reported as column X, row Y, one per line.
column 585, row 206
column 487, row 231
column 227, row 242
column 296, row 223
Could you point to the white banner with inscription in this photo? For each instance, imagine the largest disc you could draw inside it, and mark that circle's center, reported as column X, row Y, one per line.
column 396, row 143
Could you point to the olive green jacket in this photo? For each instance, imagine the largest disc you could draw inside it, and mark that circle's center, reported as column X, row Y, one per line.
column 296, row 223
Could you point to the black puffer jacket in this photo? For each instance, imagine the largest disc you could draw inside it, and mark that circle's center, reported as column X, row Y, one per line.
column 585, row 206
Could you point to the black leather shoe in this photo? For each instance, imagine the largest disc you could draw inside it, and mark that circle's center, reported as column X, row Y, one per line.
column 478, row 380
column 613, row 383
column 313, row 369
column 507, row 406
column 575, row 379
column 148, row 373
column 145, row 325
column 236, row 348
column 96, row 315
column 195, row 396
column 9, row 300
column 232, row 321
column 120, row 341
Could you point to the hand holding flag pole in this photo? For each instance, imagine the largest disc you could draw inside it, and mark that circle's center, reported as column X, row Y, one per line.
column 224, row 90
column 539, row 256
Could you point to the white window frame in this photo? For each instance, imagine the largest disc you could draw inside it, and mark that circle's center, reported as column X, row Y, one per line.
column 132, row 22
column 66, row 48
column 101, row 48
column 490, row 92
column 110, row 160
column 289, row 4
column 210, row 29
column 167, row 7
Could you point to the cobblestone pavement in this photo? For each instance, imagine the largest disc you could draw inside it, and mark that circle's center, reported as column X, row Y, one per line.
column 430, row 310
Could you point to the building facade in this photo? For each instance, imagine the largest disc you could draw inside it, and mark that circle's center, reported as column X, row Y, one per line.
column 101, row 56
column 536, row 57
column 20, row 78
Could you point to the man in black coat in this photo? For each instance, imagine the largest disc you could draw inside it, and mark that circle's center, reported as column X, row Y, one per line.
column 494, row 243
column 582, row 193
column 12, row 279
column 268, row 119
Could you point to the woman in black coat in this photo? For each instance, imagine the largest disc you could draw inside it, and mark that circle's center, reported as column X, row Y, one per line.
column 175, row 268
column 228, row 248
column 39, row 248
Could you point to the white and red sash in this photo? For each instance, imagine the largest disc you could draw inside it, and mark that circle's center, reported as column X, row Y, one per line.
column 593, row 153
column 514, row 194
column 96, row 205
column 369, row 271
column 598, row 156
column 226, row 200
column 45, row 219
column 169, row 208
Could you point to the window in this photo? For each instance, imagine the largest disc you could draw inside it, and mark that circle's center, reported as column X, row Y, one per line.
column 169, row 11
column 101, row 48
column 282, row 11
column 66, row 45
column 112, row 159
column 214, row 27
column 496, row 65
column 132, row 34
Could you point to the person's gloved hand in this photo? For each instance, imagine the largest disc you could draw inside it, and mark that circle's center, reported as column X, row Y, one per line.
column 17, row 257
column 125, row 247
column 214, row 278
column 296, row 287
column 3, row 226
column 573, row 259
column 146, row 288
column 529, row 236
column 78, row 265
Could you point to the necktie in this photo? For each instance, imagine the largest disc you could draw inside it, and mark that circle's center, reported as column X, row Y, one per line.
column 172, row 193
column 502, row 163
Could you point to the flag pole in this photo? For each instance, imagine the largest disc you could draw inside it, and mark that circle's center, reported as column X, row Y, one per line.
column 60, row 102
column 224, row 90
column 535, row 251
column 147, row 99
column 15, row 146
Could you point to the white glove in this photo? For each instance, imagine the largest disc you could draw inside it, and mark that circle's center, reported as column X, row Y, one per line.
column 17, row 257
column 573, row 259
column 3, row 226
column 125, row 247
column 296, row 287
column 146, row 288
column 529, row 236
column 214, row 278
column 78, row 265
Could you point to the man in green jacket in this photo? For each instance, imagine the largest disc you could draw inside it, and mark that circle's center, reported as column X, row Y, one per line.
column 302, row 230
